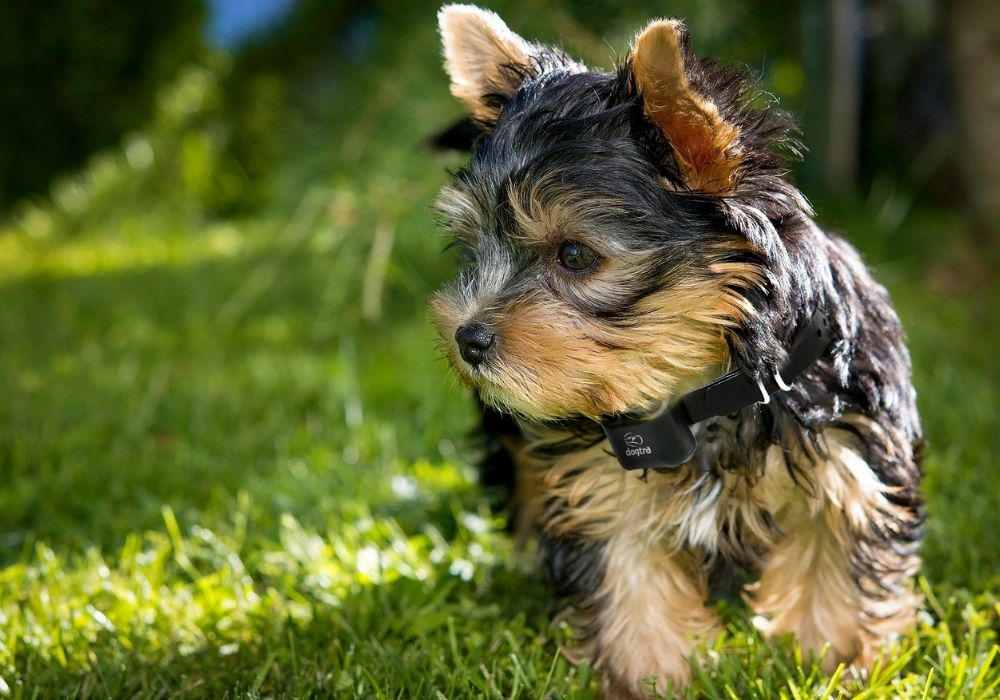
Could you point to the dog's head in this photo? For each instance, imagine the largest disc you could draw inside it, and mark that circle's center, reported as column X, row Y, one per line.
column 619, row 230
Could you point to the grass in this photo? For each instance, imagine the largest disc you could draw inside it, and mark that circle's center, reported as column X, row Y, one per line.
column 233, row 465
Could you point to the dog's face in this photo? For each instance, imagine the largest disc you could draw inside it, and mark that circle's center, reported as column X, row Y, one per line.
column 609, row 240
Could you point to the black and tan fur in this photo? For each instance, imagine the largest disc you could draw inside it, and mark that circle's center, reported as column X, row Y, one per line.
column 707, row 259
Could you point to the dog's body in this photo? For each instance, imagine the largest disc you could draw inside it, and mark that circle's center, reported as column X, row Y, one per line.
column 633, row 238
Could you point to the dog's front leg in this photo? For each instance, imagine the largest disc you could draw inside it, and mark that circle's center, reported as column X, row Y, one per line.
column 842, row 575
column 653, row 611
column 645, row 610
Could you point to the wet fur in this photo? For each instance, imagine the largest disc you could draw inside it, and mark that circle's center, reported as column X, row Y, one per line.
column 816, row 492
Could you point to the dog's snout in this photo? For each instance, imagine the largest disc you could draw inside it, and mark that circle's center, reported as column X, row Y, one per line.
column 474, row 341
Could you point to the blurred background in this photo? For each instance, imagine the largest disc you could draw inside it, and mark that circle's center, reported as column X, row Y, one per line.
column 215, row 254
column 892, row 95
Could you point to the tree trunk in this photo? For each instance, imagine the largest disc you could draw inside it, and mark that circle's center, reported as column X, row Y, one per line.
column 974, row 38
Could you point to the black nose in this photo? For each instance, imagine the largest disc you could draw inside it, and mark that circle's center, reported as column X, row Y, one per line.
column 474, row 340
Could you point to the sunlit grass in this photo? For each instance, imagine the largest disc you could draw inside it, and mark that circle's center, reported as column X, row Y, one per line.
column 132, row 248
column 222, row 478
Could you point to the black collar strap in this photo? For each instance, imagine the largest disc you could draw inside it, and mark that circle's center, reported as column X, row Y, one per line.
column 665, row 441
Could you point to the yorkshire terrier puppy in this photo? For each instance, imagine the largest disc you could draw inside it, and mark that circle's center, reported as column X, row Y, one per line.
column 684, row 373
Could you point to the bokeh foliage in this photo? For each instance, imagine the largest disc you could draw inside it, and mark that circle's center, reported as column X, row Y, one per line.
column 77, row 74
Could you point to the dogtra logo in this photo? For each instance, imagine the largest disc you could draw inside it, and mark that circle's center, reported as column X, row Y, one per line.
column 634, row 446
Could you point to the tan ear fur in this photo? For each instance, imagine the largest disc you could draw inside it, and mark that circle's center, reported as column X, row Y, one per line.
column 478, row 51
column 705, row 145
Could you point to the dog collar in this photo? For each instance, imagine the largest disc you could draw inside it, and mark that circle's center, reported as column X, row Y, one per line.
column 666, row 441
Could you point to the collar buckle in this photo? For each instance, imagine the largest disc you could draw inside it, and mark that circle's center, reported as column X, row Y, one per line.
column 666, row 441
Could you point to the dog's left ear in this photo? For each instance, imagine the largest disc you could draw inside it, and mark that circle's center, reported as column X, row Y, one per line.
column 706, row 146
column 482, row 56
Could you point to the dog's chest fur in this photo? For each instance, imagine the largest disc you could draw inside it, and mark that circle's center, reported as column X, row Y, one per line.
column 722, row 503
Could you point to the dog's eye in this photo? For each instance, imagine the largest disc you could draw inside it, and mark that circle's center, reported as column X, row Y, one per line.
column 465, row 257
column 576, row 256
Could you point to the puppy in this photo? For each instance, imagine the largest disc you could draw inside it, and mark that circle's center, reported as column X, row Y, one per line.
column 684, row 373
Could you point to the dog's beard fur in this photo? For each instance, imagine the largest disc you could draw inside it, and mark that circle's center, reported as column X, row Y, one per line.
column 708, row 259
column 551, row 362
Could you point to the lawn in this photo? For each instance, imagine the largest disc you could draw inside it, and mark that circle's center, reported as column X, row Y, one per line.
column 235, row 466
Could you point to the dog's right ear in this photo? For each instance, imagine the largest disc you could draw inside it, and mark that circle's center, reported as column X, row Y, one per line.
column 706, row 145
column 483, row 57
